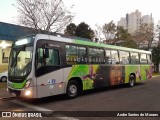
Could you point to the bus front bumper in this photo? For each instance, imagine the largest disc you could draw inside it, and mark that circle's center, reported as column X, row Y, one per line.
column 26, row 93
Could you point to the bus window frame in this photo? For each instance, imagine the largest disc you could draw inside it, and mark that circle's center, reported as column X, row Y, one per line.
column 129, row 59
column 104, row 61
column 77, row 45
column 145, row 59
column 150, row 57
column 138, row 58
column 106, row 56
column 117, row 63
column 41, row 45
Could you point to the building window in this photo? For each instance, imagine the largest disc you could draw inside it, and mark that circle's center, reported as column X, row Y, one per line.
column 5, row 56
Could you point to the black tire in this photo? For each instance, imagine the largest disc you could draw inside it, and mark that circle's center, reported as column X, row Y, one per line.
column 17, row 95
column 132, row 81
column 73, row 89
column 4, row 79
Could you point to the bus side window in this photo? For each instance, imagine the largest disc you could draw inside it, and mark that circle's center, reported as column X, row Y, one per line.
column 143, row 59
column 71, row 54
column 39, row 57
column 149, row 58
column 108, row 57
column 92, row 55
column 134, row 58
column 124, row 57
column 96, row 56
column 101, row 56
column 53, row 57
column 51, row 60
column 115, row 57
column 81, row 55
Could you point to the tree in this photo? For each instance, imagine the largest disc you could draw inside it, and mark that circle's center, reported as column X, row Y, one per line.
column 43, row 15
column 70, row 29
column 139, row 37
column 124, row 38
column 109, row 31
column 145, row 35
column 116, row 35
column 156, row 57
column 83, row 30
column 98, row 34
column 156, row 49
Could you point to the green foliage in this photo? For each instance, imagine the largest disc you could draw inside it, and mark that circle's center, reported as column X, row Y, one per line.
column 124, row 38
column 82, row 30
column 117, row 35
column 156, row 57
column 70, row 29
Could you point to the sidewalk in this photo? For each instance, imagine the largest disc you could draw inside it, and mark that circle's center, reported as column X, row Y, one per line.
column 156, row 76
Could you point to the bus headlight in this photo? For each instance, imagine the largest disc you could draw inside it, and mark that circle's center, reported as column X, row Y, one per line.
column 27, row 93
column 28, row 83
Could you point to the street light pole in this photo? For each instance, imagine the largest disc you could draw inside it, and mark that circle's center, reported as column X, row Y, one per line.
column 158, row 49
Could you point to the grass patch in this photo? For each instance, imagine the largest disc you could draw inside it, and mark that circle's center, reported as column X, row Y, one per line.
column 3, row 85
column 155, row 74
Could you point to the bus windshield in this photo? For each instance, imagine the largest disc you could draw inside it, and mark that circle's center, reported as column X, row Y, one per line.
column 20, row 62
column 21, row 59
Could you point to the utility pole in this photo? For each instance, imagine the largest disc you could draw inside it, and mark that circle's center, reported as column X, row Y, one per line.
column 158, row 49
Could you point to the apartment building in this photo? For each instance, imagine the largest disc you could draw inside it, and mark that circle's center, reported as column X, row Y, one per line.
column 132, row 21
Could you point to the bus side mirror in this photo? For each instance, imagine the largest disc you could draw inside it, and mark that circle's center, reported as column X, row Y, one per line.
column 46, row 53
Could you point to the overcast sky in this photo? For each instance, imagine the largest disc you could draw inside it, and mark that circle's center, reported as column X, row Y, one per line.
column 93, row 11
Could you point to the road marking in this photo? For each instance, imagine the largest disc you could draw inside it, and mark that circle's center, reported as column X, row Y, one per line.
column 67, row 118
column 40, row 109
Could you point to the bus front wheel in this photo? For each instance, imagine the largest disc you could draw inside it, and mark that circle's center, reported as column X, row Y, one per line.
column 132, row 81
column 72, row 89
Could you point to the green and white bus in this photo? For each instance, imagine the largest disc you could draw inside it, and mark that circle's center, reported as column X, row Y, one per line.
column 45, row 65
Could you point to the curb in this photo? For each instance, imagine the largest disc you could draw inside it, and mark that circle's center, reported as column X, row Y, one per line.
column 156, row 76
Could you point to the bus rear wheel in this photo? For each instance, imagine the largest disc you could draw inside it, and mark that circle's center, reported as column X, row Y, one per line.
column 132, row 81
column 72, row 89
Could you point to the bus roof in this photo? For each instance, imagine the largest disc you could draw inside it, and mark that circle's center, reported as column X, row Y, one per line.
column 83, row 42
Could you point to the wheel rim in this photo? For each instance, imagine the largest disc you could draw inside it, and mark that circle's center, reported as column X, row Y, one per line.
column 4, row 79
column 72, row 90
column 132, row 82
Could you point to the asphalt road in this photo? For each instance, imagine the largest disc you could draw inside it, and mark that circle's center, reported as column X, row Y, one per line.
column 142, row 97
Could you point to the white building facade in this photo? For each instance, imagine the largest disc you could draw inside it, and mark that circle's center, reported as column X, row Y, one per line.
column 133, row 20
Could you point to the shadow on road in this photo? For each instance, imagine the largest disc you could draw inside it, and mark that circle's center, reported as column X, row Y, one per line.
column 111, row 88
column 57, row 98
